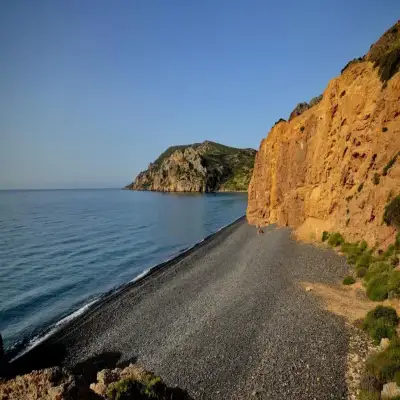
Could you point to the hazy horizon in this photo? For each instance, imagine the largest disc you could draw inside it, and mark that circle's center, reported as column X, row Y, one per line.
column 91, row 93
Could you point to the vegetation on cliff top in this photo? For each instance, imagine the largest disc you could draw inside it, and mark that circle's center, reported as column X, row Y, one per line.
column 385, row 53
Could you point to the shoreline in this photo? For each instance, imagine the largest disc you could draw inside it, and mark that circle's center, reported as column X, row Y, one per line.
column 215, row 320
column 14, row 355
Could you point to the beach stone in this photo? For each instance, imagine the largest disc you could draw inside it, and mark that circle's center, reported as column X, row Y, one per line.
column 384, row 344
column 390, row 390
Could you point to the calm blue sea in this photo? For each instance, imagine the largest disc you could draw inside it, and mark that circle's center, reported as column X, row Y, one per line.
column 62, row 249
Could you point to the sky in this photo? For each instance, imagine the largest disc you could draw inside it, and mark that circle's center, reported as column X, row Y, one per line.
column 92, row 91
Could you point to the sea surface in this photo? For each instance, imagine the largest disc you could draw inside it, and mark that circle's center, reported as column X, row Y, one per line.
column 60, row 250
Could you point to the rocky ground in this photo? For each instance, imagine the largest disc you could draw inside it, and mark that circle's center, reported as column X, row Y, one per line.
column 230, row 320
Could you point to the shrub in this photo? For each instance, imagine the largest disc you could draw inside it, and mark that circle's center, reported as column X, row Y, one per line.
column 392, row 213
column 325, row 236
column 369, row 395
column 384, row 365
column 389, row 251
column 364, row 259
column 376, row 179
column 361, row 272
column 380, row 330
column 377, row 269
column 360, row 187
column 363, row 245
column 357, row 254
column 389, row 165
column 348, row 280
column 388, row 64
column 389, row 314
column 302, row 129
column 384, row 129
column 335, row 239
column 379, row 286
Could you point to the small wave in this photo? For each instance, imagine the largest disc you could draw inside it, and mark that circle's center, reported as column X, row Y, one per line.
column 42, row 337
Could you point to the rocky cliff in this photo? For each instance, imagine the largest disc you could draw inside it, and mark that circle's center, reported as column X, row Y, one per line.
column 334, row 165
column 200, row 167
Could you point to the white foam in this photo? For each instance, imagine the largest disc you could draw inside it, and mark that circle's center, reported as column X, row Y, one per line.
column 141, row 275
column 41, row 338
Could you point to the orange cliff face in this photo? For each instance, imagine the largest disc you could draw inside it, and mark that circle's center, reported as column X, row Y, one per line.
column 324, row 169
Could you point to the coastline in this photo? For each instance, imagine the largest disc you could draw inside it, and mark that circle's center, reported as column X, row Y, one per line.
column 215, row 321
column 66, row 322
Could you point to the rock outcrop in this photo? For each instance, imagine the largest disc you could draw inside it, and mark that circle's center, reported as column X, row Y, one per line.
column 201, row 167
column 48, row 384
column 131, row 382
column 334, row 165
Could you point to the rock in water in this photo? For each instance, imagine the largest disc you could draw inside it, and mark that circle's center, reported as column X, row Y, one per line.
column 200, row 167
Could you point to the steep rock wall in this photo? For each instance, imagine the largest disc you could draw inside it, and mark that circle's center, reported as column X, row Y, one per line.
column 321, row 168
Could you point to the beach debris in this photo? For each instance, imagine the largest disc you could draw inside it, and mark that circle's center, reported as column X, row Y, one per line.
column 308, row 288
column 259, row 230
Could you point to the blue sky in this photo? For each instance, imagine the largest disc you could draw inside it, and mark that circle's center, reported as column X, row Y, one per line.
column 91, row 91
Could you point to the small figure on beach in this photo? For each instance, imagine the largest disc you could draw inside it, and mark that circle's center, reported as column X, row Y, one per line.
column 259, row 230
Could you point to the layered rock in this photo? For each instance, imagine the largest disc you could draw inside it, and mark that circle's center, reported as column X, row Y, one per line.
column 327, row 167
column 201, row 167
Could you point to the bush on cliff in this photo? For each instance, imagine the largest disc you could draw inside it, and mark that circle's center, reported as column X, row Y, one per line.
column 335, row 239
column 390, row 164
column 325, row 236
column 392, row 213
column 381, row 323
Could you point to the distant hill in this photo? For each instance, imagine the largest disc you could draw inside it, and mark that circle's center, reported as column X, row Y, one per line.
column 198, row 167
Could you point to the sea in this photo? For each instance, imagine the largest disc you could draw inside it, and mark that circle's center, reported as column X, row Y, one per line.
column 63, row 250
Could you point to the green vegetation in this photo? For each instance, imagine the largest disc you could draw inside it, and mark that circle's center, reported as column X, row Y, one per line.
column 167, row 153
column 391, row 215
column 376, row 179
column 390, row 164
column 335, row 239
column 149, row 387
column 360, row 187
column 388, row 64
column 384, row 365
column 280, row 120
column 385, row 54
column 361, row 272
column 384, row 129
column 325, row 236
column 210, row 166
column 348, row 280
column 381, row 323
column 381, row 279
column 354, row 61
